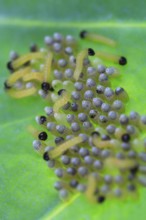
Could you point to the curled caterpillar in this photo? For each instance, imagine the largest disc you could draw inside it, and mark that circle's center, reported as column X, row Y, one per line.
column 96, row 148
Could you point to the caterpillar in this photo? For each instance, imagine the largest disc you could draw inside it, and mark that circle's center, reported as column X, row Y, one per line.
column 96, row 148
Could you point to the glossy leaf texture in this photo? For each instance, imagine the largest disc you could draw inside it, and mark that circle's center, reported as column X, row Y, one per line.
column 26, row 183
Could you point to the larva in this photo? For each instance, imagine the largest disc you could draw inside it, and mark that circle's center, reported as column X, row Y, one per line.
column 96, row 145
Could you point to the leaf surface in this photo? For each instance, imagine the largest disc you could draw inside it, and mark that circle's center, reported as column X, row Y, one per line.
column 26, row 190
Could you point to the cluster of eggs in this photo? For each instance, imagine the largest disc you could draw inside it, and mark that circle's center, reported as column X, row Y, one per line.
column 86, row 137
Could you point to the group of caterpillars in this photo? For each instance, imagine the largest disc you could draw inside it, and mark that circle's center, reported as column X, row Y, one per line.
column 92, row 146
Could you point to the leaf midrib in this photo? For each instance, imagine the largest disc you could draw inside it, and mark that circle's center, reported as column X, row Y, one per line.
column 41, row 23
column 60, row 208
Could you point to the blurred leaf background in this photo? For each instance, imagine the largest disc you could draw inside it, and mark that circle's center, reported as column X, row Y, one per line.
column 26, row 184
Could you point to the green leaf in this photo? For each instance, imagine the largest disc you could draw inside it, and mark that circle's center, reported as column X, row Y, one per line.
column 26, row 184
